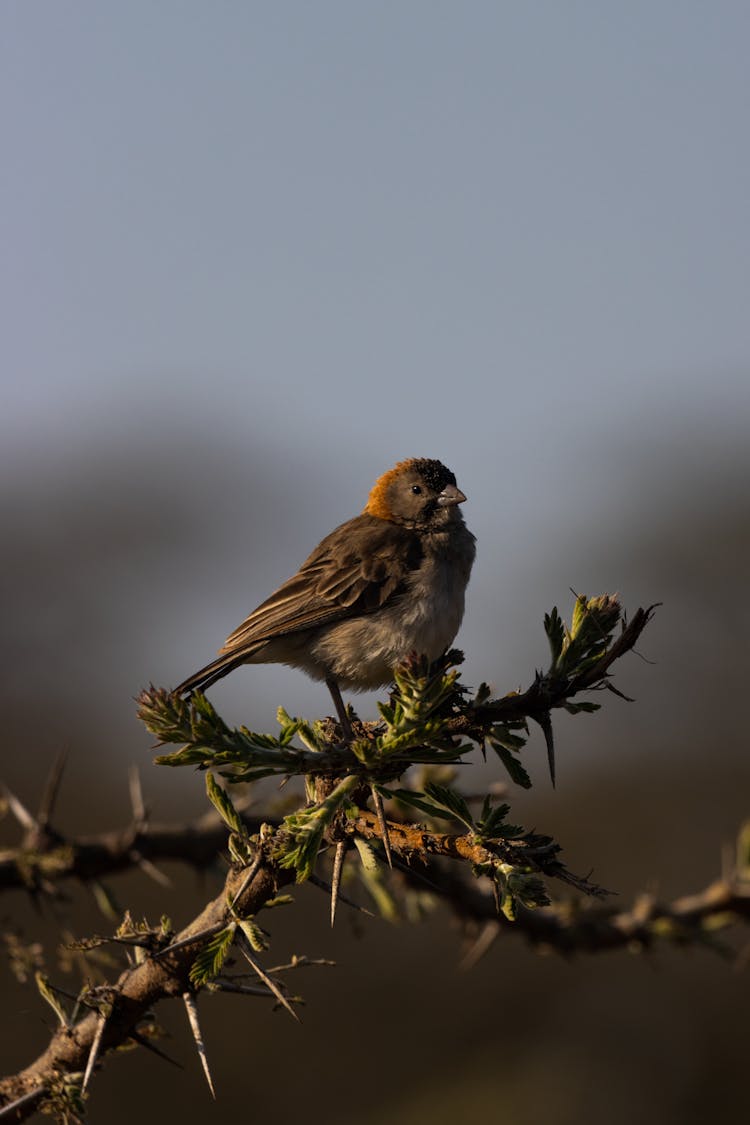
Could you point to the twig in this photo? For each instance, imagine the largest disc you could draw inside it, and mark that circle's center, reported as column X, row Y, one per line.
column 87, row 858
column 52, row 788
column 267, row 980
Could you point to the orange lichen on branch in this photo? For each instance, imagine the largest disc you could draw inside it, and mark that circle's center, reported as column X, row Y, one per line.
column 411, row 840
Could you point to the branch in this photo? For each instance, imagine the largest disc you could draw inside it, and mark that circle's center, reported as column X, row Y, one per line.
column 45, row 857
column 420, row 730
column 570, row 928
column 553, row 690
column 165, row 974
column 567, row 927
column 414, row 842
column 169, row 962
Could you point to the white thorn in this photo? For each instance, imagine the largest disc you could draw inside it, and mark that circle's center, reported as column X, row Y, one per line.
column 96, row 1044
column 192, row 1012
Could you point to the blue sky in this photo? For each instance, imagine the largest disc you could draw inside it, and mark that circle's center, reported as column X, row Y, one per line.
column 322, row 237
column 450, row 221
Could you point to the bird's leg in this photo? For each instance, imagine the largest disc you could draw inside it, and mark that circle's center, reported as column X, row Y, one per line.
column 346, row 726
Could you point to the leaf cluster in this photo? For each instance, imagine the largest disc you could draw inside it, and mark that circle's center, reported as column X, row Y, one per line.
column 430, row 720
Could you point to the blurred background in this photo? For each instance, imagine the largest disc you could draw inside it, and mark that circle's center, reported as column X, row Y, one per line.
column 252, row 256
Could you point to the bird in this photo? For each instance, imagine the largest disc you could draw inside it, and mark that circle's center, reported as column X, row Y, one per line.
column 388, row 583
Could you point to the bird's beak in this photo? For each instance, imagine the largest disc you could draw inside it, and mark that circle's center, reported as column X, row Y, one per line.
column 450, row 496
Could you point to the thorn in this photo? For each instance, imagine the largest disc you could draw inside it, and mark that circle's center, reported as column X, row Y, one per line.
column 19, row 810
column 268, row 981
column 377, row 801
column 12, row 1109
column 132, row 941
column 52, row 788
column 143, row 1041
column 96, row 1044
column 190, row 940
column 545, row 723
column 338, row 867
column 150, row 869
column 249, row 875
column 192, row 1013
column 230, row 986
column 140, row 812
column 322, row 885
column 79, row 1000
column 484, row 941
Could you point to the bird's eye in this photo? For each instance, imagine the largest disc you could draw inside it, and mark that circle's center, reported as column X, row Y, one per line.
column 416, row 489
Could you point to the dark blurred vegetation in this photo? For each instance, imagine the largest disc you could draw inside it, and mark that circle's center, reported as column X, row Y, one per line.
column 107, row 564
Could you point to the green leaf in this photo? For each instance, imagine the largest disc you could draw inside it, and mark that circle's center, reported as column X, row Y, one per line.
column 305, row 828
column 580, row 613
column 416, row 801
column 588, row 708
column 221, row 801
column 254, row 934
column 212, row 956
column 47, row 992
column 483, row 694
column 449, row 799
column 528, row 889
column 492, row 822
column 508, row 904
column 372, row 877
column 290, row 727
column 519, row 885
column 517, row 773
column 502, row 733
column 590, row 633
column 187, row 756
column 279, row 900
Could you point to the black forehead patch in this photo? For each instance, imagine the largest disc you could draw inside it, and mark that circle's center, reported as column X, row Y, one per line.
column 434, row 473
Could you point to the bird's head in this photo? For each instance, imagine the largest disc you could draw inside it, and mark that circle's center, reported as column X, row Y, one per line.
column 417, row 493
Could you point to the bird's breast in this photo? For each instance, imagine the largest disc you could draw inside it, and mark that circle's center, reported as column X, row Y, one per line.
column 361, row 652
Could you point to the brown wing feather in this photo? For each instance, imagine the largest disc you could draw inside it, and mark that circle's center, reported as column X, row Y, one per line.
column 354, row 570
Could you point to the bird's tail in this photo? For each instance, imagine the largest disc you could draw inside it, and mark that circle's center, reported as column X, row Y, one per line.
column 214, row 671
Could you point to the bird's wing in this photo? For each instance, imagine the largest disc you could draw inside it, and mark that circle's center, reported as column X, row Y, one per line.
column 355, row 570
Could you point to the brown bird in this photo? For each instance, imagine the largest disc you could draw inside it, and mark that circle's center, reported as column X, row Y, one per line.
column 385, row 584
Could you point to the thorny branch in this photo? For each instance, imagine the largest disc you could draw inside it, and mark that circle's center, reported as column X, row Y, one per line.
column 45, row 858
column 163, row 974
column 489, row 872
column 165, row 970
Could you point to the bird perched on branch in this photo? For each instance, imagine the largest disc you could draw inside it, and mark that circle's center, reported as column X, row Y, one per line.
column 389, row 582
